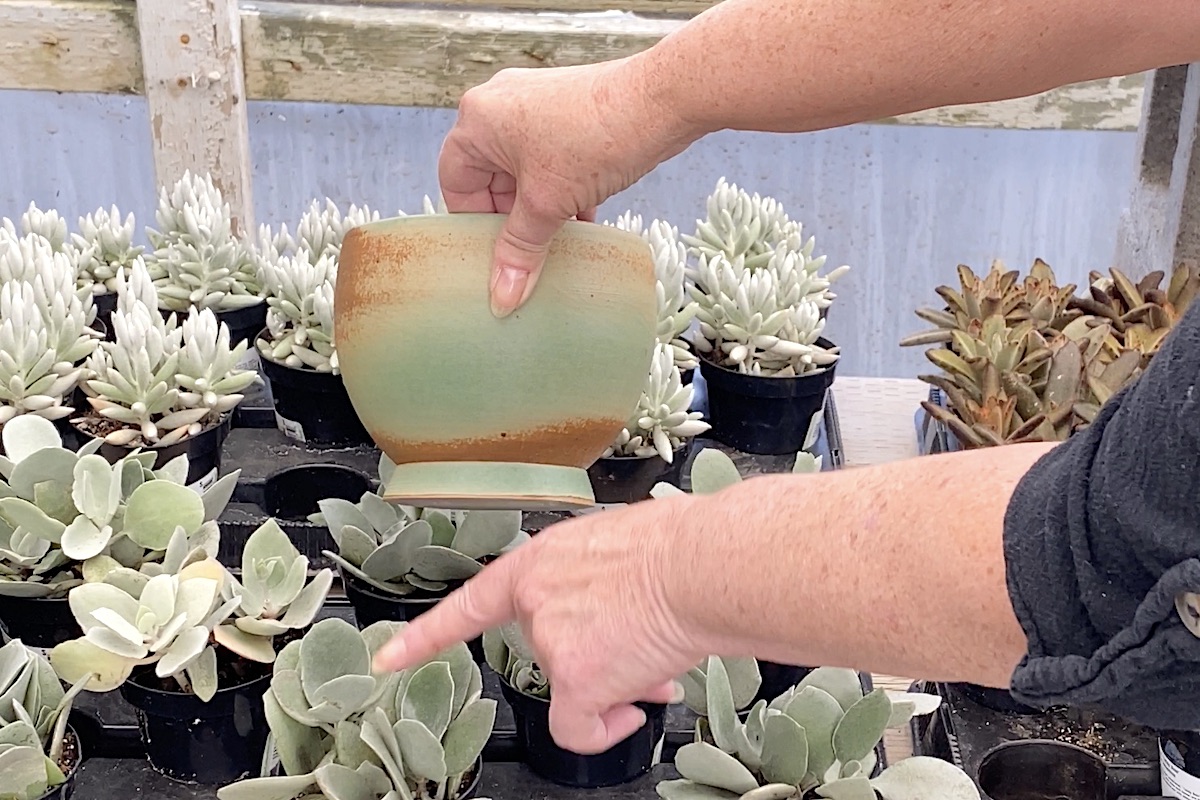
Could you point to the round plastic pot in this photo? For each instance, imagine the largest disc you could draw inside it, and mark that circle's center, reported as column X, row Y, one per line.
column 778, row 678
column 993, row 699
column 244, row 323
column 39, row 622
column 1179, row 763
column 625, row 762
column 1040, row 769
column 764, row 415
column 629, row 479
column 105, row 305
column 373, row 605
column 313, row 407
column 292, row 493
column 66, row 789
column 191, row 741
column 203, row 452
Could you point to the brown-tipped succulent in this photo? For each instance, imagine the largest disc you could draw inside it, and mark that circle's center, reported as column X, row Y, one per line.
column 817, row 739
column 344, row 733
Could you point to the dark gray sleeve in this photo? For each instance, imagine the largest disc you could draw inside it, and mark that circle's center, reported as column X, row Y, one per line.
column 1100, row 536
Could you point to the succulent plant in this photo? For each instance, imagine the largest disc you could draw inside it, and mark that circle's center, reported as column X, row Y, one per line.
column 817, row 739
column 675, row 310
column 321, row 230
column 343, row 733
column 300, row 311
column 160, row 381
column 742, row 675
column 402, row 549
column 510, row 657
column 102, row 246
column 1140, row 315
column 177, row 618
column 34, row 711
column 47, row 225
column 198, row 261
column 661, row 422
column 713, row 470
column 68, row 517
column 44, row 333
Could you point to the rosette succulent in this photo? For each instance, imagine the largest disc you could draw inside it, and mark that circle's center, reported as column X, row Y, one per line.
column 661, row 422
column 402, row 550
column 344, row 733
column 68, row 517
column 742, row 675
column 176, row 619
column 34, row 711
column 510, row 657
column 817, row 739
column 198, row 261
column 103, row 244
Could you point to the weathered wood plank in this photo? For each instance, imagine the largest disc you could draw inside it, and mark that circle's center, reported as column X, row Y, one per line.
column 195, row 90
column 657, row 7
column 400, row 55
column 76, row 46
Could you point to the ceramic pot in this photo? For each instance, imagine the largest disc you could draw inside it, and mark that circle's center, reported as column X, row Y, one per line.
column 480, row 412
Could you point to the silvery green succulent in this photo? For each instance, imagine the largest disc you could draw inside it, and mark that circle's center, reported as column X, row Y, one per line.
column 343, row 733
column 34, row 711
column 713, row 470
column 198, row 261
column 67, row 517
column 164, row 382
column 321, row 230
column 274, row 597
column 510, row 656
column 103, row 244
column 675, row 310
column 45, row 224
column 817, row 739
column 661, row 422
column 742, row 675
column 299, row 290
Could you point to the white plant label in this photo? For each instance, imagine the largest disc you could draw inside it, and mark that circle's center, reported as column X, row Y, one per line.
column 204, row 482
column 292, row 430
column 1175, row 782
column 249, row 359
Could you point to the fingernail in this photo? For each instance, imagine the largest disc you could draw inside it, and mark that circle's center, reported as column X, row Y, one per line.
column 388, row 656
column 676, row 693
column 508, row 289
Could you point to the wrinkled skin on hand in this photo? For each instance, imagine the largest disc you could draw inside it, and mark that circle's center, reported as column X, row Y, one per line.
column 590, row 599
column 545, row 146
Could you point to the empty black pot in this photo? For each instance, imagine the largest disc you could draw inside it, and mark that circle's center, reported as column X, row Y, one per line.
column 1041, row 769
column 211, row 743
column 764, row 415
column 293, row 493
column 628, row 479
column 626, row 760
column 373, row 605
column 313, row 407
column 39, row 622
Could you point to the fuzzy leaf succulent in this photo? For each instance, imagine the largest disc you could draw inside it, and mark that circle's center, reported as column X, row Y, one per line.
column 161, row 381
column 44, row 333
column 343, row 733
column 34, row 710
column 713, row 470
column 198, row 261
column 817, row 739
column 69, row 517
column 742, row 675
column 176, row 619
column 661, row 422
column 510, row 656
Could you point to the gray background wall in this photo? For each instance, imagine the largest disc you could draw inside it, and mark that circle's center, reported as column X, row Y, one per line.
column 902, row 205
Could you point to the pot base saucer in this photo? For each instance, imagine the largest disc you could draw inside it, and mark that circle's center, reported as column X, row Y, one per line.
column 501, row 486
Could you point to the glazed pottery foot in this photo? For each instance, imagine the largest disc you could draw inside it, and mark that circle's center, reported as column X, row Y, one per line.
column 470, row 485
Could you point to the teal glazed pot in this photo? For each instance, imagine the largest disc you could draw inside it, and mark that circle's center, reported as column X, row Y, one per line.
column 480, row 412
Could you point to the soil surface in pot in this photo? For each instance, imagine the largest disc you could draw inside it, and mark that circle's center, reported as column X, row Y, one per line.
column 232, row 669
column 69, row 759
column 91, row 424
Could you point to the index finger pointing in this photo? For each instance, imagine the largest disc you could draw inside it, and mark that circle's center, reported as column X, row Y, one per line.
column 482, row 603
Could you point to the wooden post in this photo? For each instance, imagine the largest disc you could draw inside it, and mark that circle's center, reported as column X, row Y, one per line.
column 195, row 90
column 1161, row 227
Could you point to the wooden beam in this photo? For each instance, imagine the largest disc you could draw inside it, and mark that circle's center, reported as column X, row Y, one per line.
column 688, row 8
column 192, row 57
column 400, row 55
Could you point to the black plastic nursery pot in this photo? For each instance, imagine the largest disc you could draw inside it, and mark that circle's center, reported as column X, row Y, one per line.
column 244, row 323
column 1042, row 770
column 203, row 452
column 778, row 678
column 1179, row 763
column 39, row 622
column 764, row 415
column 105, row 304
column 191, row 741
column 629, row 479
column 313, row 407
column 72, row 758
column 372, row 605
column 626, row 760
column 293, row 493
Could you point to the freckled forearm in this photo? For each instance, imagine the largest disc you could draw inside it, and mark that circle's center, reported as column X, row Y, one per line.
column 897, row 568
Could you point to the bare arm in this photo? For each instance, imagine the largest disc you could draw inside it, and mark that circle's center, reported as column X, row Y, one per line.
column 802, row 65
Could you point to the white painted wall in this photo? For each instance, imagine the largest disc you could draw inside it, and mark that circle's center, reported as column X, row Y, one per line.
column 902, row 205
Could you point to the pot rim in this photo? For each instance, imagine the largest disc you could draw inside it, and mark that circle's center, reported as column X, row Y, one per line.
column 225, row 421
column 70, row 776
column 705, row 361
column 376, row 593
column 505, row 685
column 571, row 229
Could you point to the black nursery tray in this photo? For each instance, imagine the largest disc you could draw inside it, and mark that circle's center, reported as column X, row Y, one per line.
column 993, row 745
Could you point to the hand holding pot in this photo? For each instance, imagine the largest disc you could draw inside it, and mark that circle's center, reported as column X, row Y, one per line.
column 547, row 145
column 588, row 596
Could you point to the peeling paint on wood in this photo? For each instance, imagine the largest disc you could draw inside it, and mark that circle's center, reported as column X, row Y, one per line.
column 378, row 54
column 75, row 46
column 195, row 91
